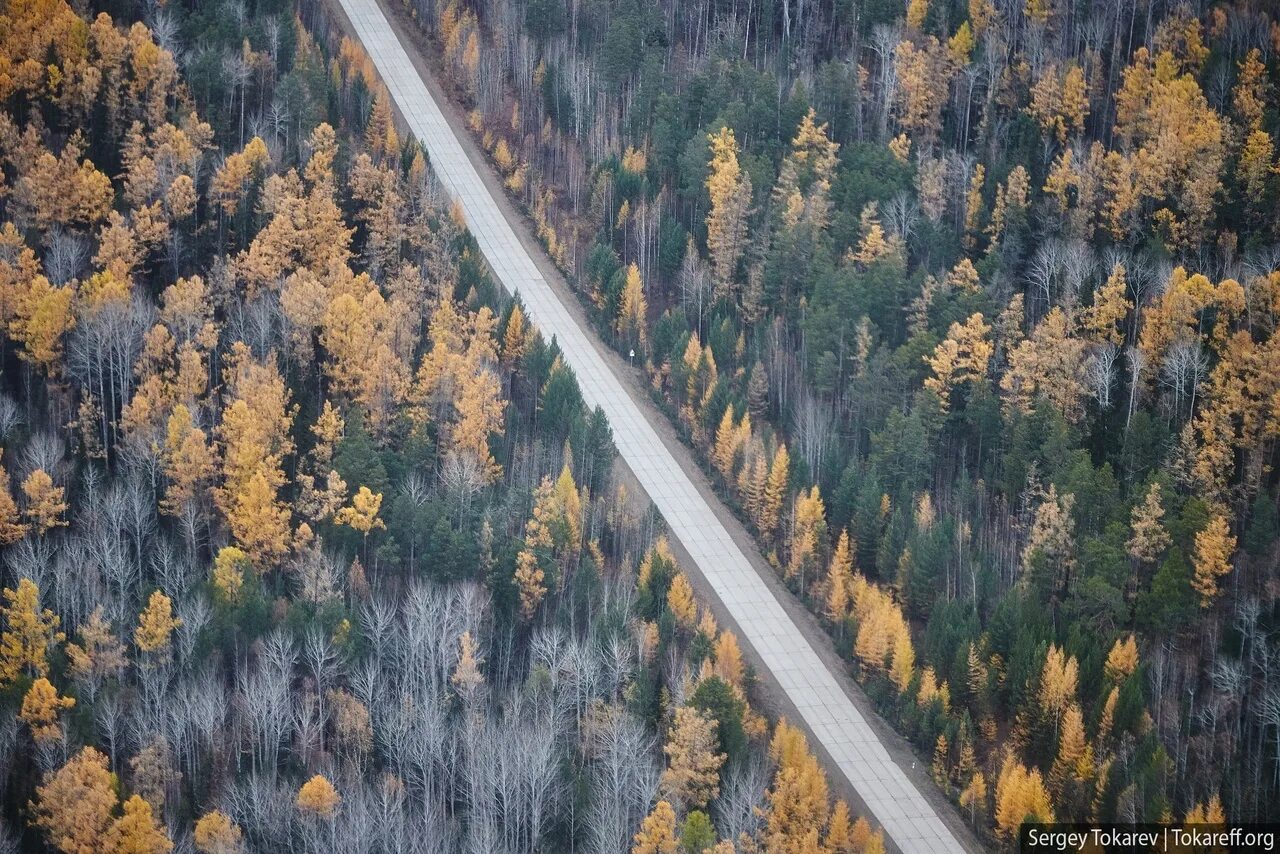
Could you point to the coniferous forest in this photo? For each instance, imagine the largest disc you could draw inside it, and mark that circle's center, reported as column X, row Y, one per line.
column 969, row 308
column 308, row 541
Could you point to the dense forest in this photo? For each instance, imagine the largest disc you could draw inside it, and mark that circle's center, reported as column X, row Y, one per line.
column 309, row 542
column 970, row 309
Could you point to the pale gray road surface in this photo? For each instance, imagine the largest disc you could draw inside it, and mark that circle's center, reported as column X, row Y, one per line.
column 910, row 822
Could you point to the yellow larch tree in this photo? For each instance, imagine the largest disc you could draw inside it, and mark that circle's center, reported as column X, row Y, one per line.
column 657, row 833
column 318, row 798
column 1212, row 559
column 961, row 45
column 137, row 831
column 1020, row 795
column 456, row 386
column 1148, row 537
column 188, row 461
column 467, row 678
column 259, row 522
column 1049, row 365
column 801, row 195
column 1178, row 141
column 529, row 579
column 775, row 492
column 1122, row 660
column 692, row 777
column 840, row 579
column 255, row 437
column 922, row 68
column 808, row 533
column 1111, row 305
column 41, row 710
column 730, row 191
column 227, row 575
column 797, row 798
column 28, row 633
column 380, row 131
column 1011, row 196
column 962, row 357
column 231, row 181
column 41, row 317
column 366, row 365
column 46, row 502
column 839, row 835
column 633, row 309
column 1060, row 101
column 515, row 339
column 1206, row 813
column 973, row 205
column 873, row 244
column 362, row 514
column 917, row 10
column 681, row 603
column 728, row 444
column 1250, row 94
column 728, row 655
column 156, row 624
column 216, row 833
column 75, row 804
column 1074, row 762
column 11, row 530
column 904, row 661
column 1059, row 679
column 100, row 654
column 974, row 796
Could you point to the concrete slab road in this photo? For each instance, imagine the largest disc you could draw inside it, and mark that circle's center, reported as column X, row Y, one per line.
column 910, row 821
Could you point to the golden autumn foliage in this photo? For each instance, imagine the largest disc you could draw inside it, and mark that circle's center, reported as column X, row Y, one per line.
column 920, row 65
column 1122, row 660
column 1020, row 796
column 728, row 655
column 1214, row 547
column 633, row 309
column 28, row 634
column 11, row 530
column 75, row 804
column 797, row 797
column 1046, row 365
column 156, row 624
column 137, row 831
column 259, row 522
column 692, row 776
column 729, row 188
column 1060, row 102
column 467, row 678
column 1148, row 537
column 681, row 603
column 962, row 357
column 775, row 491
column 215, row 833
column 41, row 319
column 318, row 798
column 41, row 710
column 657, row 833
column 189, row 461
column 456, row 386
column 529, row 578
column 362, row 515
column 100, row 654
column 46, row 502
column 808, row 533
column 840, row 579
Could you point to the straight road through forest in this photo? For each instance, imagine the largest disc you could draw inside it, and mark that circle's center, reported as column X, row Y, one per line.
column 888, row 795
